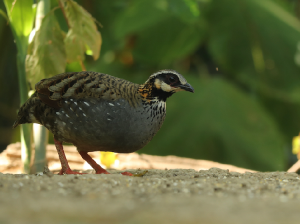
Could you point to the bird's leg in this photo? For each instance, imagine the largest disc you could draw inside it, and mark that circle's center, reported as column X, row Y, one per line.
column 65, row 169
column 92, row 163
column 127, row 174
column 96, row 166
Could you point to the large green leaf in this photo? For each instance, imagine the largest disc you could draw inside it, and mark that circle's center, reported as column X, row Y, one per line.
column 165, row 30
column 186, row 10
column 169, row 40
column 139, row 15
column 46, row 55
column 82, row 35
column 220, row 123
column 21, row 17
column 256, row 42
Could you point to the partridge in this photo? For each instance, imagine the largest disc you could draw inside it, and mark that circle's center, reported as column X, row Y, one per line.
column 99, row 112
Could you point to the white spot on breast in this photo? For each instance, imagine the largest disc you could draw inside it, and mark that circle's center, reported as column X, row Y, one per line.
column 84, row 114
column 96, row 120
column 67, row 115
column 118, row 104
column 66, row 101
column 86, row 103
column 93, row 110
column 98, row 108
column 64, row 123
column 71, row 122
column 75, row 103
column 108, row 113
column 71, row 109
column 71, row 99
column 80, row 108
column 57, row 113
column 111, row 104
column 108, row 119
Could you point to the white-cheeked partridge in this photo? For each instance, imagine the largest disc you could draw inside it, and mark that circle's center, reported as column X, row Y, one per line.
column 99, row 112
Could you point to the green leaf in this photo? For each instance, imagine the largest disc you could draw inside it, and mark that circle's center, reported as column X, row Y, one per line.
column 164, row 30
column 82, row 35
column 46, row 56
column 220, row 123
column 256, row 42
column 21, row 16
column 169, row 40
column 186, row 10
column 139, row 15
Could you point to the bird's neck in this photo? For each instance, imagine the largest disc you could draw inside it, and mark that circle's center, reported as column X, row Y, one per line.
column 150, row 92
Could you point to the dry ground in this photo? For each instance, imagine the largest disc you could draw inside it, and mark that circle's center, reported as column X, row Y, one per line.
column 160, row 196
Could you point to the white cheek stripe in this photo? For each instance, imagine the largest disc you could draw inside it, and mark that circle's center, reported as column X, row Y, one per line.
column 165, row 87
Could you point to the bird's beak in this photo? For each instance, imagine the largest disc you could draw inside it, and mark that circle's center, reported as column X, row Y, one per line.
column 186, row 87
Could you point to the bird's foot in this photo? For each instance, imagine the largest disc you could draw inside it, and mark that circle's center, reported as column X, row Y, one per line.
column 101, row 171
column 68, row 171
column 127, row 174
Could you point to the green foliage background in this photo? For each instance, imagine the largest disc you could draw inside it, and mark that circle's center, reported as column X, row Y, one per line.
column 242, row 58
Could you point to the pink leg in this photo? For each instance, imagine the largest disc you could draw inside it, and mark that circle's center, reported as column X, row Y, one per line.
column 65, row 169
column 97, row 167
column 92, row 163
column 127, row 174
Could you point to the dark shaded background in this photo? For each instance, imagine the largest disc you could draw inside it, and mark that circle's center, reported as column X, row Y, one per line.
column 242, row 58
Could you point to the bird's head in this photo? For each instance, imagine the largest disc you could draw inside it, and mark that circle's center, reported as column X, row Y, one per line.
column 163, row 84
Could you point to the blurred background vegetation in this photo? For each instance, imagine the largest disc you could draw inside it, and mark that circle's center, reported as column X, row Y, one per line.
column 242, row 58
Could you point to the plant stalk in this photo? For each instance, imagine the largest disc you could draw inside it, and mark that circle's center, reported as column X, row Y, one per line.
column 40, row 133
column 25, row 128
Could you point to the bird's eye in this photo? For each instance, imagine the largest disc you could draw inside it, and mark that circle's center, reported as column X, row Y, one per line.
column 172, row 79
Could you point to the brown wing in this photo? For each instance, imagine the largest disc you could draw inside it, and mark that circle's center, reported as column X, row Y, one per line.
column 82, row 85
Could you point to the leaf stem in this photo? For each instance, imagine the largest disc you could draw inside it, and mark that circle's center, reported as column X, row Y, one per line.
column 82, row 65
column 64, row 12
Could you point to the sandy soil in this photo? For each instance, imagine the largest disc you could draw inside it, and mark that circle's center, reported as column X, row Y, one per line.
column 160, row 196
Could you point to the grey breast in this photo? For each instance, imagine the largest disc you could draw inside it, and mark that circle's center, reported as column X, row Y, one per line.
column 101, row 125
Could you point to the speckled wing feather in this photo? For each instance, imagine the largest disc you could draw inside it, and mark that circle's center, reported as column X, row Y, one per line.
column 82, row 85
